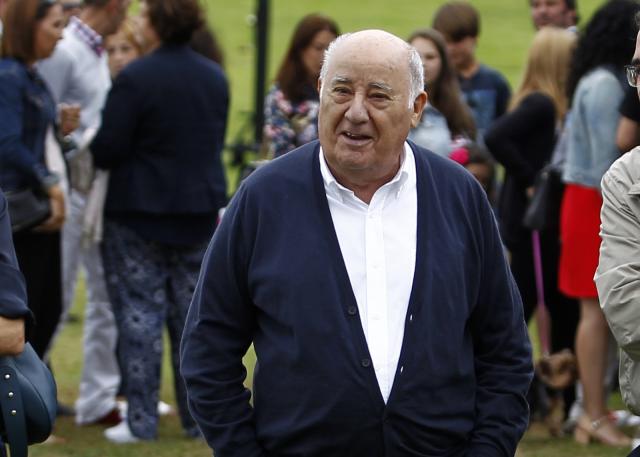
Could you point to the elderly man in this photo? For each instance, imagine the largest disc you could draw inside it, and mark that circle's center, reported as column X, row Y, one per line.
column 554, row 13
column 369, row 275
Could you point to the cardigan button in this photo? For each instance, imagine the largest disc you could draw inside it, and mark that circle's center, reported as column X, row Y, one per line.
column 7, row 376
column 366, row 363
column 14, row 412
column 352, row 310
column 10, row 395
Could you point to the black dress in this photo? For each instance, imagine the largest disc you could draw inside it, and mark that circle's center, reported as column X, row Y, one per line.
column 523, row 141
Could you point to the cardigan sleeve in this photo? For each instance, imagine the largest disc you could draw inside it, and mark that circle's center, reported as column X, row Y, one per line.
column 218, row 332
column 504, row 138
column 502, row 351
column 13, row 292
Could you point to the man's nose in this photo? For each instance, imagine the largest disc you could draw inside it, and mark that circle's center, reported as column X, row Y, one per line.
column 357, row 112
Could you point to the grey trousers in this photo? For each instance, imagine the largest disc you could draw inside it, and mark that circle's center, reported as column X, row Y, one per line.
column 100, row 378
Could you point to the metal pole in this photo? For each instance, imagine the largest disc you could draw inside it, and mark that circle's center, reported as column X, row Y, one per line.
column 262, row 26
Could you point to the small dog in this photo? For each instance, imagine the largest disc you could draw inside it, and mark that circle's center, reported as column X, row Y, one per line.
column 553, row 373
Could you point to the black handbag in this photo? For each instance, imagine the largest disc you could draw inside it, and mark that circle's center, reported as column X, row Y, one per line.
column 26, row 208
column 543, row 212
column 27, row 400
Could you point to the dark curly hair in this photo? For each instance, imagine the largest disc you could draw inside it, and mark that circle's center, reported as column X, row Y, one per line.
column 608, row 40
column 175, row 20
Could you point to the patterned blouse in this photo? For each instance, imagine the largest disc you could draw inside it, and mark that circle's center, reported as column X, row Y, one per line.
column 288, row 125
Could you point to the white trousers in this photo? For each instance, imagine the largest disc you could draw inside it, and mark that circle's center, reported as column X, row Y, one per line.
column 100, row 378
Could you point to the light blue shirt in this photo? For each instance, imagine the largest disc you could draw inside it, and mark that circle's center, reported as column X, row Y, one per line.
column 432, row 132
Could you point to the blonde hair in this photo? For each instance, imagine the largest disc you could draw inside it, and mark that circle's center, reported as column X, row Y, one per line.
column 130, row 30
column 547, row 68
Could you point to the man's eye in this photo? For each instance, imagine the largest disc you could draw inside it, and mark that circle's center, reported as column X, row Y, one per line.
column 380, row 96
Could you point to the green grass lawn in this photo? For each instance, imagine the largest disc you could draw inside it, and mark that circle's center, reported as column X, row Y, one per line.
column 506, row 32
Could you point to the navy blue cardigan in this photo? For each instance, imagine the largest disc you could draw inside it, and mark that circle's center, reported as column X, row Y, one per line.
column 13, row 291
column 274, row 276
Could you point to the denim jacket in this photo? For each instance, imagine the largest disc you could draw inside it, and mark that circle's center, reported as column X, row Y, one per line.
column 432, row 132
column 26, row 111
column 592, row 133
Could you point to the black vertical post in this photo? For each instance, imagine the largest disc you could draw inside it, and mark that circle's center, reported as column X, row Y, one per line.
column 262, row 26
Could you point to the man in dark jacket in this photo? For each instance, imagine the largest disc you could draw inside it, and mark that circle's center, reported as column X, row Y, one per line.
column 369, row 275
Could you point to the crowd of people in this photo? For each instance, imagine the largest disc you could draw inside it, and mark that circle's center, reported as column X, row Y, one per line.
column 116, row 125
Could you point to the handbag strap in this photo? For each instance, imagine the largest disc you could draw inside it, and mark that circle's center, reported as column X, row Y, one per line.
column 13, row 411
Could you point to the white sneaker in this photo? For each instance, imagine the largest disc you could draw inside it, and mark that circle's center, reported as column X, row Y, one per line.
column 624, row 418
column 164, row 409
column 635, row 443
column 121, row 434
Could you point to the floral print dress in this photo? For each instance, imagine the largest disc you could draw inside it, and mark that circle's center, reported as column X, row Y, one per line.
column 289, row 125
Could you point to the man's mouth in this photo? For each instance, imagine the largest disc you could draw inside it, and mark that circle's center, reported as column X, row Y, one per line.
column 355, row 137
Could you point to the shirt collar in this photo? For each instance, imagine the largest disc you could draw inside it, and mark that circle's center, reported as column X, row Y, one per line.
column 86, row 34
column 405, row 174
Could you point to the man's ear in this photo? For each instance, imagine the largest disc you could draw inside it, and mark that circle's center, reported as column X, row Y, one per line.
column 418, row 105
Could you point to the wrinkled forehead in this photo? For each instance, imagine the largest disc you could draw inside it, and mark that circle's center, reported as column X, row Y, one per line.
column 370, row 62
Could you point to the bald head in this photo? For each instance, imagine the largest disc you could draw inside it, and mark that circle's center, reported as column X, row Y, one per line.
column 377, row 45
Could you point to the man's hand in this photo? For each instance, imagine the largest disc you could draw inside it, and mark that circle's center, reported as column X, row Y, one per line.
column 11, row 336
column 58, row 213
column 69, row 118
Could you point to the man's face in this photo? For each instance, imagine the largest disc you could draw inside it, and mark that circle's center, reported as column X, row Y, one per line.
column 365, row 114
column 462, row 52
column 551, row 13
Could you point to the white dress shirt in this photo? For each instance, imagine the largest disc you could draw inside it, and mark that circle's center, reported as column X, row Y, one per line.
column 378, row 245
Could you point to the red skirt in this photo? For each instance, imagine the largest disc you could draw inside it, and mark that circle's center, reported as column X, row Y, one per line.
column 580, row 241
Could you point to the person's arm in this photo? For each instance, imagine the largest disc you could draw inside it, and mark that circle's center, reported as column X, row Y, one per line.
column 502, row 351
column 278, row 132
column 13, row 293
column 503, row 95
column 13, row 153
column 218, row 332
column 618, row 274
column 506, row 135
column 113, row 142
column 602, row 115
